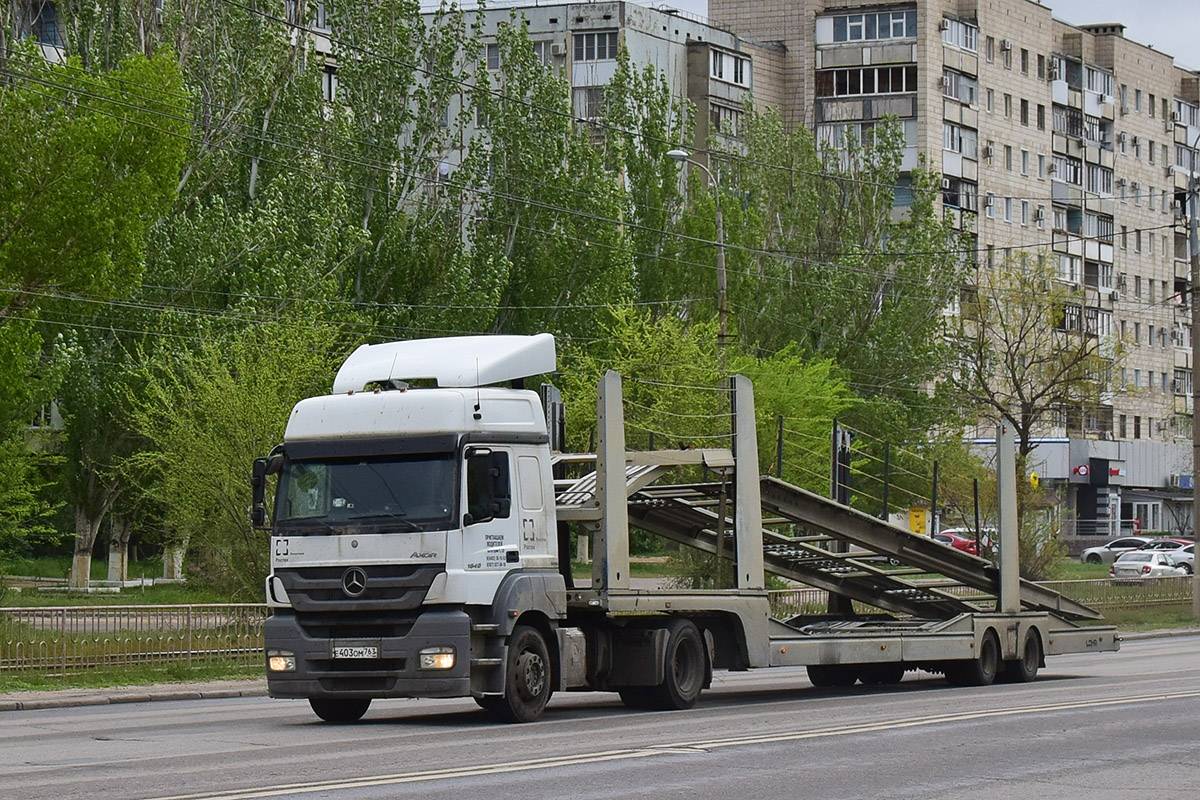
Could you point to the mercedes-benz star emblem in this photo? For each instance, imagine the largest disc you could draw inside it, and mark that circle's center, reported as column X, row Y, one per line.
column 354, row 582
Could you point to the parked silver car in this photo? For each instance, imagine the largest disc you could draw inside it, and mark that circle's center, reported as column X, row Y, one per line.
column 1185, row 557
column 1145, row 564
column 1106, row 553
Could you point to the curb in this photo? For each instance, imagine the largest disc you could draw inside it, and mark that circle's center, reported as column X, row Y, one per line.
column 116, row 697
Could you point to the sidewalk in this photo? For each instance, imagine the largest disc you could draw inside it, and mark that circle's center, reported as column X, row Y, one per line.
column 257, row 687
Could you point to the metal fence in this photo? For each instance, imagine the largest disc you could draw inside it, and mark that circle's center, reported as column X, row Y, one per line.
column 72, row 638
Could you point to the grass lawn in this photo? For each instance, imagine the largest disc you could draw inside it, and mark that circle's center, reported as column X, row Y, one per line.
column 103, row 677
column 162, row 595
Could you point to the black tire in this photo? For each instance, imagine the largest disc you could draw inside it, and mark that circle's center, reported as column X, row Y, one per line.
column 684, row 669
column 1187, row 568
column 340, row 710
column 881, row 674
column 1025, row 668
column 1094, row 558
column 979, row 671
column 636, row 697
column 825, row 676
column 527, row 681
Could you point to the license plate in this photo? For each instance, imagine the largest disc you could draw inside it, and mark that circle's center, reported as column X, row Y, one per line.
column 355, row 651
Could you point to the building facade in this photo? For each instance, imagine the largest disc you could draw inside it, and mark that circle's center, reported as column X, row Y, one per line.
column 1072, row 140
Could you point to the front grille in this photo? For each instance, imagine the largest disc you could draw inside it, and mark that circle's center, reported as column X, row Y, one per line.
column 388, row 586
column 339, row 667
column 354, row 625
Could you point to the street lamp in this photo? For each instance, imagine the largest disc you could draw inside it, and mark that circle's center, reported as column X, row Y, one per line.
column 722, row 306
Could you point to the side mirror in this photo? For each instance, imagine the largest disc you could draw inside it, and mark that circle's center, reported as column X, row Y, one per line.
column 258, row 494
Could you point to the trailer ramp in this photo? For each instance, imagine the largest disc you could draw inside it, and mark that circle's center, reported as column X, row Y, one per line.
column 857, row 528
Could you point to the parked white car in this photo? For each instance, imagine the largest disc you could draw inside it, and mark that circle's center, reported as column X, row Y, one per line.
column 1185, row 557
column 1145, row 564
column 1106, row 553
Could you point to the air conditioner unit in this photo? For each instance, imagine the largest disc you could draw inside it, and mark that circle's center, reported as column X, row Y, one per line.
column 1168, row 125
column 1005, row 45
column 989, row 201
column 1039, row 214
column 987, row 150
column 1170, row 171
column 1120, row 181
column 945, row 81
column 1124, row 108
column 1115, row 295
column 1053, row 75
column 1137, row 141
column 558, row 49
column 1122, row 137
column 1174, row 116
column 945, row 24
column 945, row 183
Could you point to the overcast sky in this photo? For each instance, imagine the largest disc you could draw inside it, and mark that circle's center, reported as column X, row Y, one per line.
column 1172, row 26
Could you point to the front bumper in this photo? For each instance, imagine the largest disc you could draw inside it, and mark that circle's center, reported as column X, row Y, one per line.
column 395, row 673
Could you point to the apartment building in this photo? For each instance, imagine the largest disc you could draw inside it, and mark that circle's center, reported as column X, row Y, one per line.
column 1067, row 139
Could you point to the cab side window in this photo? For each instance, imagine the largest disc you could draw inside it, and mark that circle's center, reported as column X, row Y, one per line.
column 489, row 485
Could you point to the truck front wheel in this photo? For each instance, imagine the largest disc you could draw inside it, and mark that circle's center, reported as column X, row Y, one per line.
column 340, row 709
column 527, row 683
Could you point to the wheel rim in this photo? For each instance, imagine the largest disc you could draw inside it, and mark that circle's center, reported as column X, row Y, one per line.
column 531, row 673
column 685, row 666
column 1032, row 657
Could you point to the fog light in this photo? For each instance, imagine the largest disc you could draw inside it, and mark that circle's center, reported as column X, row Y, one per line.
column 281, row 661
column 437, row 658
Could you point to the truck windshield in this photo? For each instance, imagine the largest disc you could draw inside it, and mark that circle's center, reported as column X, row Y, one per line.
column 405, row 493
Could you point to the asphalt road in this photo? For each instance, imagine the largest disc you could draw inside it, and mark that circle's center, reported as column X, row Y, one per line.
column 1120, row 726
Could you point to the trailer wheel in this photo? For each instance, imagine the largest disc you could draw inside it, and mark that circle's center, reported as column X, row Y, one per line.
column 1025, row 668
column 683, row 669
column 825, row 676
column 636, row 697
column 340, row 709
column 881, row 674
column 979, row 671
column 527, row 682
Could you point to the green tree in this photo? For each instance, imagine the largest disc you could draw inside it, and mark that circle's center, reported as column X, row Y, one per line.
column 207, row 414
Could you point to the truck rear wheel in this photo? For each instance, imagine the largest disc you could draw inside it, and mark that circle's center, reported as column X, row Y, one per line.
column 527, row 682
column 683, row 670
column 881, row 674
column 825, row 676
column 979, row 671
column 1025, row 668
column 340, row 709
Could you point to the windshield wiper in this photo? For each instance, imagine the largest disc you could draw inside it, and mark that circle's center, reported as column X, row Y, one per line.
column 396, row 516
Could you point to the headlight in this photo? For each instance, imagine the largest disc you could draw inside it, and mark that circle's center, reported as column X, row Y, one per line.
column 281, row 661
column 436, row 658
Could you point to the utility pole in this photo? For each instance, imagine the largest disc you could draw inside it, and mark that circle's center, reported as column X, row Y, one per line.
column 1193, row 199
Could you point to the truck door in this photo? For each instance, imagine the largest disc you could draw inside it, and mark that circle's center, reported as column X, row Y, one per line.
column 491, row 538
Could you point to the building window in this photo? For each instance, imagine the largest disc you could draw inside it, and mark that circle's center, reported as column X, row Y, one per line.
column 1024, row 212
column 491, row 58
column 960, row 140
column 1041, row 117
column 1024, row 61
column 866, row 80
column 329, row 83
column 1041, row 62
column 960, row 87
column 596, row 46
column 1041, row 165
column 1024, row 162
column 874, row 26
column 1008, row 161
column 1024, row 112
column 960, row 34
column 991, row 97
column 1008, row 209
column 589, row 102
column 1008, row 106
column 725, row 120
column 1099, row 179
column 1068, row 121
column 957, row 193
column 1137, row 99
column 730, row 68
column 989, row 206
column 1067, row 170
column 1099, row 82
column 990, row 49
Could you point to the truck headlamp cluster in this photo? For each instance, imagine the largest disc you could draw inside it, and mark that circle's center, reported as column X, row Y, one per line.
column 436, row 658
column 281, row 661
